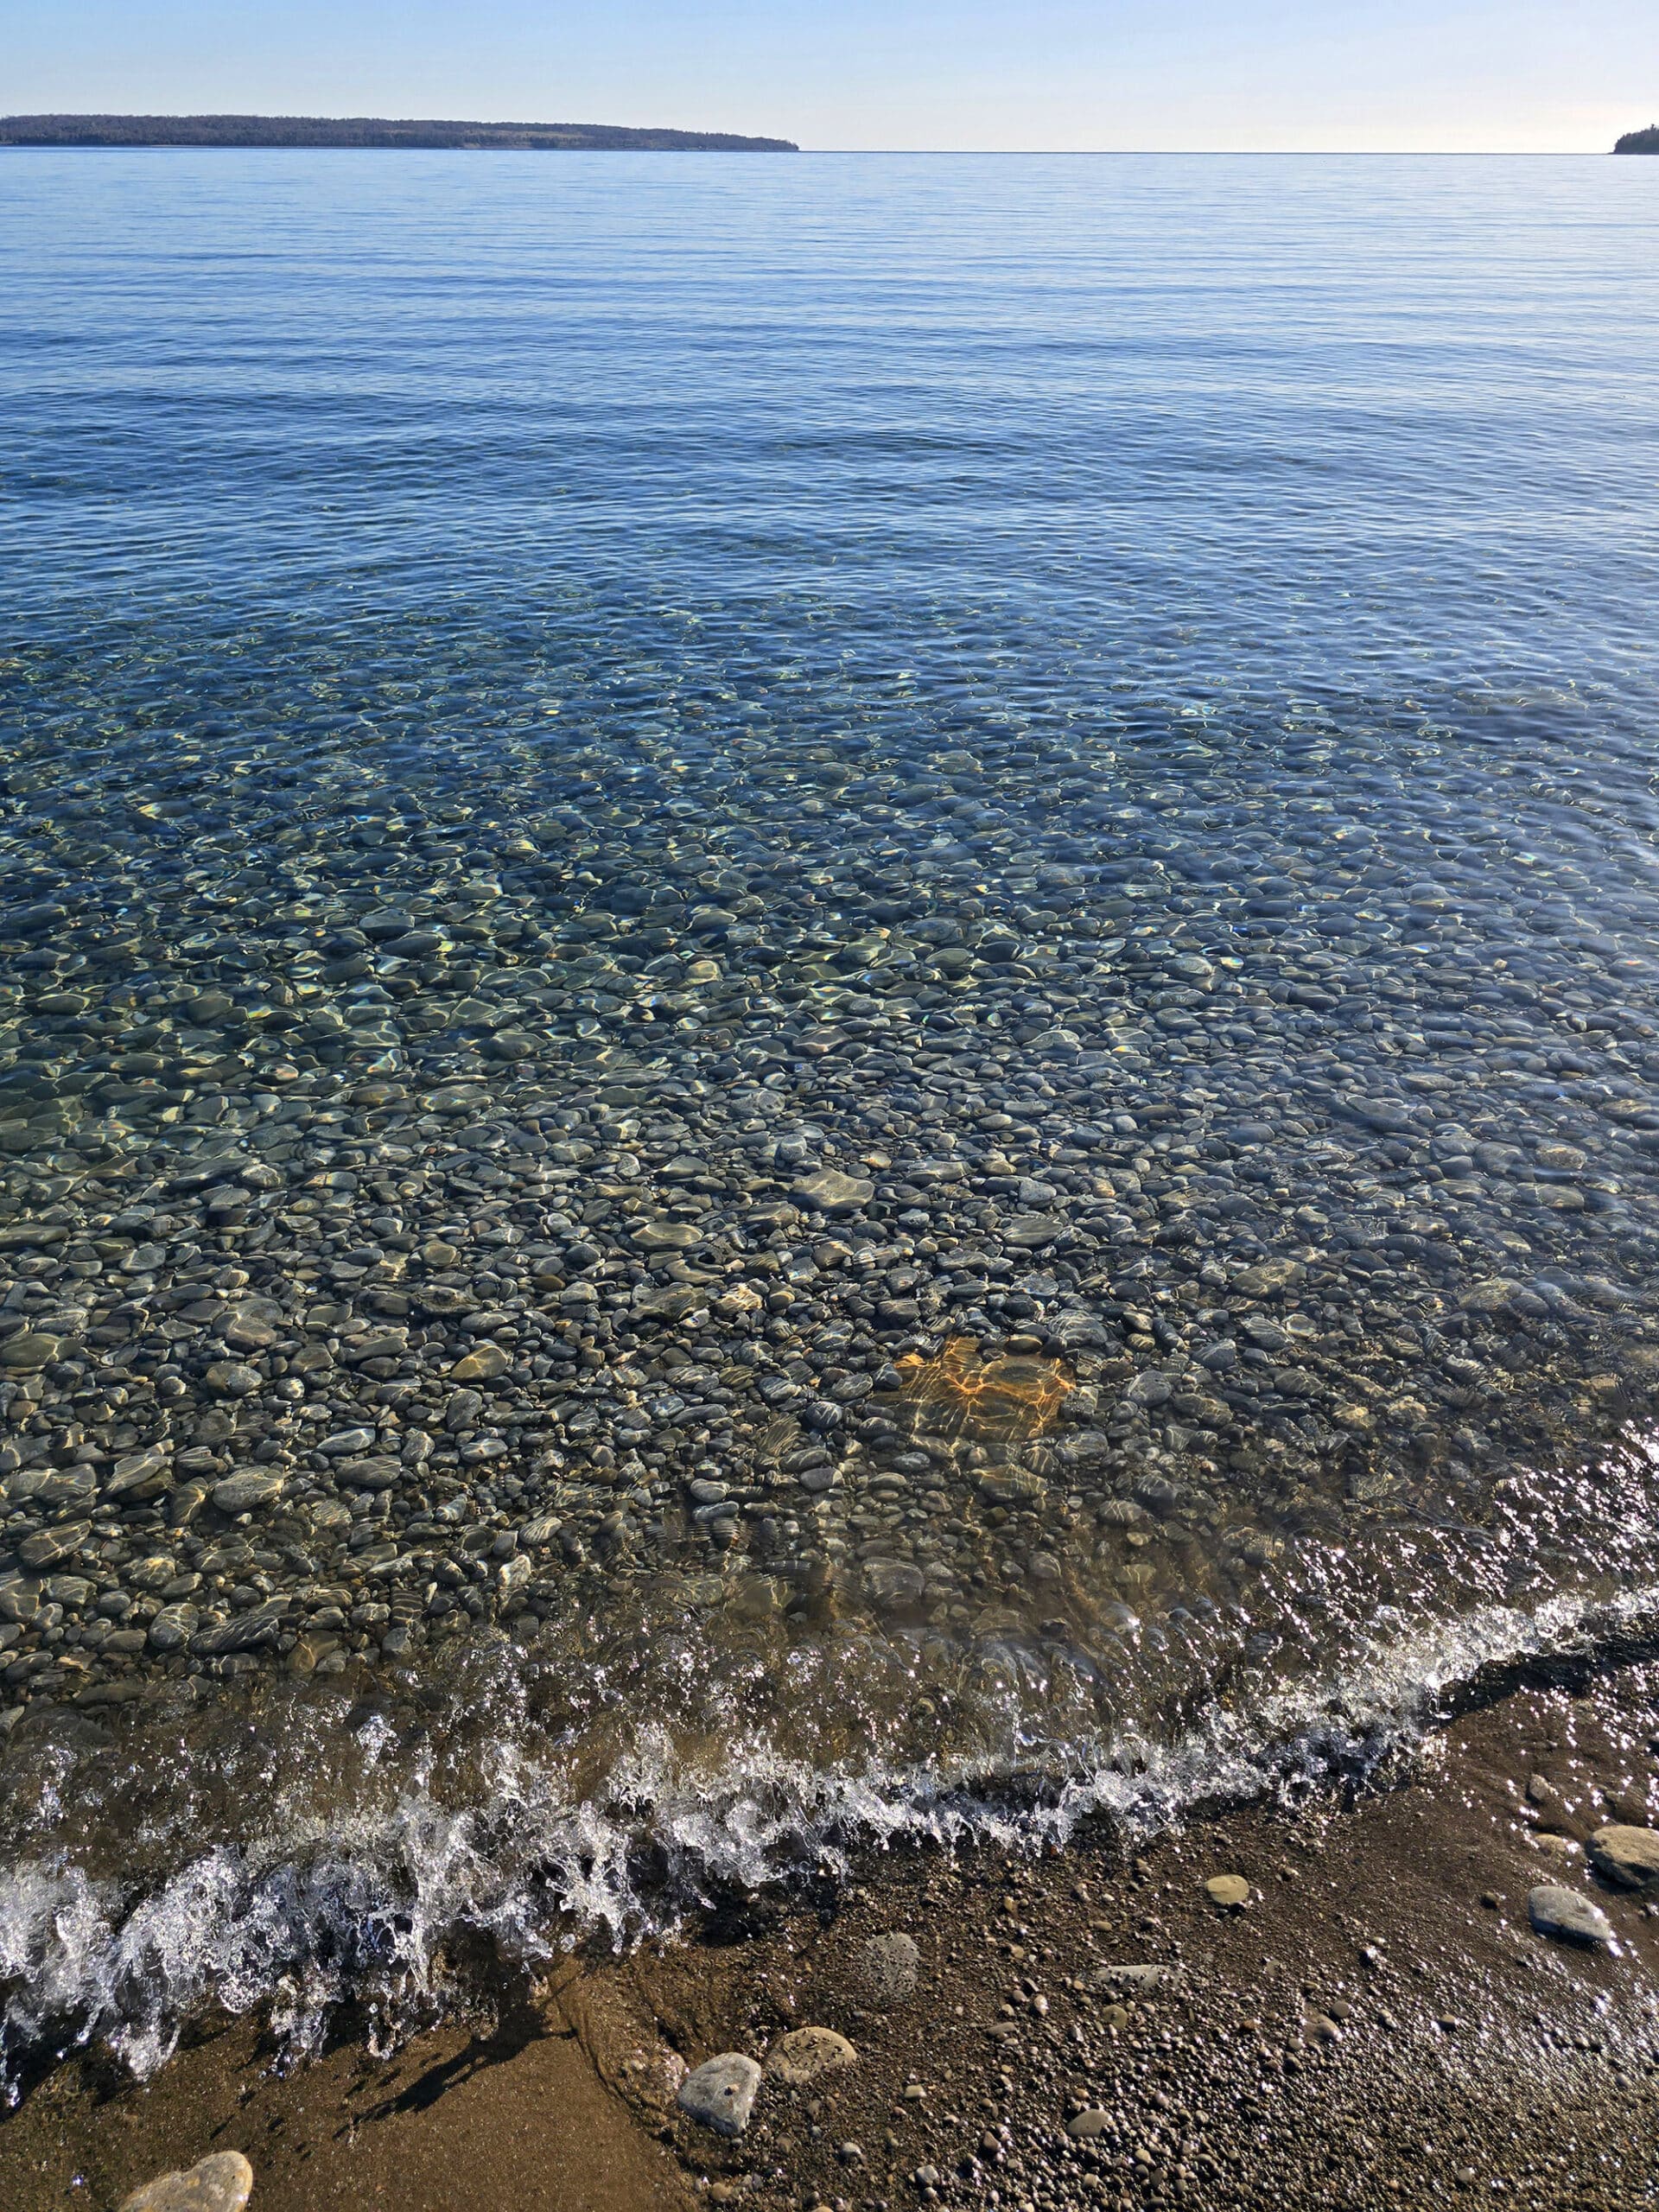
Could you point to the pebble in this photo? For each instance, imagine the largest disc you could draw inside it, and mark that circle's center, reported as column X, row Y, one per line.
column 1085, row 2125
column 223, row 2183
column 720, row 2093
column 1565, row 1915
column 1231, row 1892
column 248, row 1492
column 889, row 1967
column 804, row 2053
column 1630, row 1855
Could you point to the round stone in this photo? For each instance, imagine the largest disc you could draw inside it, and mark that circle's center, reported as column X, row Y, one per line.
column 232, row 1378
column 1630, row 1855
column 804, row 2053
column 1231, row 1892
column 1085, row 2125
column 480, row 1366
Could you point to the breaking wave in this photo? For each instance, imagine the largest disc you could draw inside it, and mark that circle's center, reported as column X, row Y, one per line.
column 410, row 1901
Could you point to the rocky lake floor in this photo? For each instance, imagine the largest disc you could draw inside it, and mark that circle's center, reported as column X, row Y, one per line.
column 828, row 1137
column 848, row 1260
column 412, row 1208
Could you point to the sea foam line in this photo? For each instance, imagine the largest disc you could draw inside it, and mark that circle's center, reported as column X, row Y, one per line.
column 374, row 1909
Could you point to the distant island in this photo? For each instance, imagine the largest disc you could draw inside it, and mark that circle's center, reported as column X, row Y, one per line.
column 368, row 130
column 1640, row 142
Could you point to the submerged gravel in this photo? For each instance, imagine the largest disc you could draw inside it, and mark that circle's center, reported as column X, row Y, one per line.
column 419, row 1209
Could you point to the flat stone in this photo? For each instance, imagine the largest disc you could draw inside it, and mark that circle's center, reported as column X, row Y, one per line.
column 893, row 1582
column 831, row 1192
column 249, row 1491
column 51, row 1546
column 141, row 1474
column 221, row 2183
column 1630, row 1855
column 890, row 1966
column 1031, row 1232
column 1085, row 2125
column 720, row 2093
column 667, row 1235
column 480, row 1366
column 1231, row 1892
column 1268, row 1278
column 26, row 1354
column 249, row 1332
column 1565, row 1915
column 804, row 2053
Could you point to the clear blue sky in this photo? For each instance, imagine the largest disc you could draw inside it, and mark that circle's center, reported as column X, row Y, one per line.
column 1434, row 74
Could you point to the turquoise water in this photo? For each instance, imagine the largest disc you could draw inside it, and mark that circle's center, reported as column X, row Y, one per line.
column 948, row 862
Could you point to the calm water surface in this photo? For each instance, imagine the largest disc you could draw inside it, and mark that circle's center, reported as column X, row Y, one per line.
column 846, row 964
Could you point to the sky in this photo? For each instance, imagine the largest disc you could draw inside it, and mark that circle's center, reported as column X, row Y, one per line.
column 1214, row 75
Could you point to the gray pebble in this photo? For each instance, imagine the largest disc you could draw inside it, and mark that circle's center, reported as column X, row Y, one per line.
column 889, row 1967
column 720, row 2093
column 1565, row 1915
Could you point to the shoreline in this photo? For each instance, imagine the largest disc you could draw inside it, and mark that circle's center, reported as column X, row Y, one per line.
column 1380, row 2016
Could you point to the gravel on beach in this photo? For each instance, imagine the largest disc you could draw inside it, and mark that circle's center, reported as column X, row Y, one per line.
column 1381, row 2021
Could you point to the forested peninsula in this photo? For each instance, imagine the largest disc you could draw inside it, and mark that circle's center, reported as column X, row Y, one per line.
column 1639, row 141
column 311, row 130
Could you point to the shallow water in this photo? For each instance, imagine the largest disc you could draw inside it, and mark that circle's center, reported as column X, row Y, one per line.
column 947, row 862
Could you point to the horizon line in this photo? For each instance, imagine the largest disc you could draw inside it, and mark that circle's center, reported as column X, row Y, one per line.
column 981, row 153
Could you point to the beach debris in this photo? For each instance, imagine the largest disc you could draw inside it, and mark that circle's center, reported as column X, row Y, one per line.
column 1231, row 1892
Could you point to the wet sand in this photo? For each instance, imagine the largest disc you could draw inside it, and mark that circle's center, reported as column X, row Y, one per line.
column 1379, row 2022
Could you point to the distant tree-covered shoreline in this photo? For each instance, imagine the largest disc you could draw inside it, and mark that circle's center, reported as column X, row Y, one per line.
column 366, row 131
column 1640, row 142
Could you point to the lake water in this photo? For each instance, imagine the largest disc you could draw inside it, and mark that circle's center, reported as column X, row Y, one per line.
column 829, row 1006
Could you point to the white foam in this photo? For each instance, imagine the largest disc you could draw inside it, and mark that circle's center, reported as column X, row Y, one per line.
column 372, row 1907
